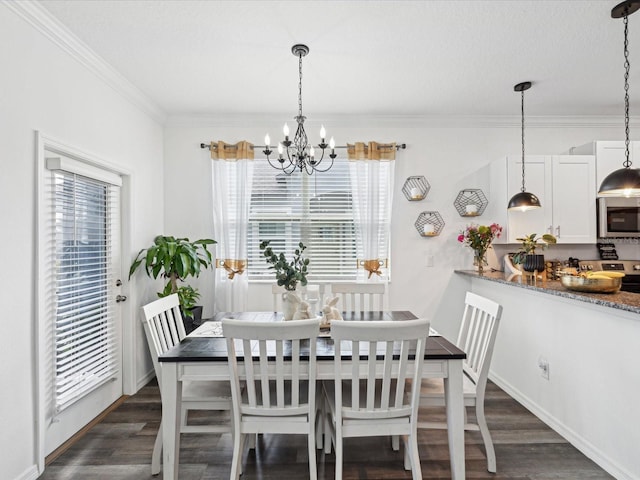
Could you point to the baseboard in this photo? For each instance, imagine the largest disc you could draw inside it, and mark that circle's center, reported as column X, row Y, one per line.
column 146, row 379
column 30, row 473
column 582, row 444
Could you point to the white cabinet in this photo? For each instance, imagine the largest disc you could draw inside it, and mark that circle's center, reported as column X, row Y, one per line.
column 565, row 185
column 609, row 156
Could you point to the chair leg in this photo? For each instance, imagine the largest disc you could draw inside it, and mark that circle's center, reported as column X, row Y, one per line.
column 313, row 472
column 156, row 456
column 236, row 467
column 328, row 435
column 338, row 448
column 486, row 437
column 395, row 443
column 407, row 454
column 412, row 446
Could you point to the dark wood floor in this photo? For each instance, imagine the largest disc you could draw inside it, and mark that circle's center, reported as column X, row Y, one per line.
column 119, row 448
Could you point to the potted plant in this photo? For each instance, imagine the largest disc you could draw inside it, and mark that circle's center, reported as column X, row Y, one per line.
column 527, row 256
column 288, row 273
column 175, row 259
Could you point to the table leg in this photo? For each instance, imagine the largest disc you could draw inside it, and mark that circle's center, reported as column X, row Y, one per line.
column 171, row 400
column 455, row 418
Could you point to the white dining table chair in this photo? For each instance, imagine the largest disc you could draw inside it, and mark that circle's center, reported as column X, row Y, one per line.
column 164, row 328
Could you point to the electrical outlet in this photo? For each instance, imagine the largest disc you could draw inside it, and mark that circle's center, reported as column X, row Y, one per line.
column 543, row 363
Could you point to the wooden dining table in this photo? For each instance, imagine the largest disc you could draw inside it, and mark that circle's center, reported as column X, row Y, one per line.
column 203, row 356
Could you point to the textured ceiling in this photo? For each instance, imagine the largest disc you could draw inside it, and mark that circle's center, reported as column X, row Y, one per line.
column 390, row 58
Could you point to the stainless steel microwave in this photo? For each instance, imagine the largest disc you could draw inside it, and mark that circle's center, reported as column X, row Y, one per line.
column 618, row 217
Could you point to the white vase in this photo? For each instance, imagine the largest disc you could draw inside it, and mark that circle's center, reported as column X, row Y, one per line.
column 289, row 307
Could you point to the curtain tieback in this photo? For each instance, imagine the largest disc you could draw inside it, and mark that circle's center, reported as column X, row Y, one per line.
column 373, row 266
column 233, row 267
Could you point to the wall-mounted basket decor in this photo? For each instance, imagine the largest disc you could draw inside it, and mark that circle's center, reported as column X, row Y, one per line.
column 470, row 202
column 416, row 188
column 429, row 224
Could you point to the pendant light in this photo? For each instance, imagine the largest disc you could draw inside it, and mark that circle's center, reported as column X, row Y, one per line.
column 524, row 200
column 624, row 182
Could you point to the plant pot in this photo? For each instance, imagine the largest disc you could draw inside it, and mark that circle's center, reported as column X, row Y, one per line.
column 191, row 323
column 288, row 307
column 533, row 263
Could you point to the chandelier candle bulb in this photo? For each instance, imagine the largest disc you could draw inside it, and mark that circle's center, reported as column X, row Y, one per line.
column 323, row 134
column 285, row 130
column 267, row 141
column 332, row 144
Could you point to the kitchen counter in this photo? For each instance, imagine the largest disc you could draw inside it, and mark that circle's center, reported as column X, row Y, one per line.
column 629, row 302
column 587, row 344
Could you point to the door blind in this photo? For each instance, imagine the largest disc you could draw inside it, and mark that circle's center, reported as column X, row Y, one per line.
column 84, row 214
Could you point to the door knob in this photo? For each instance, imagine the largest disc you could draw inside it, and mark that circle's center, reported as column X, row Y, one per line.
column 121, row 298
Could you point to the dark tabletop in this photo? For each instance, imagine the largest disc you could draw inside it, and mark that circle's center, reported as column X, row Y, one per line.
column 207, row 349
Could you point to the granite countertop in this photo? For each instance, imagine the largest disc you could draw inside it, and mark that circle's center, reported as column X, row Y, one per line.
column 620, row 300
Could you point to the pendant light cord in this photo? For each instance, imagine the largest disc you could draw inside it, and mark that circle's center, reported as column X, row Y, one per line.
column 522, row 123
column 627, row 67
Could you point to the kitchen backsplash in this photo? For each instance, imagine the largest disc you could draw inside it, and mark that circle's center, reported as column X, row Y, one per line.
column 627, row 249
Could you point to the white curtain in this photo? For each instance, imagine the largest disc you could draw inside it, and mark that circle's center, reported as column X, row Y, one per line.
column 232, row 175
column 372, row 168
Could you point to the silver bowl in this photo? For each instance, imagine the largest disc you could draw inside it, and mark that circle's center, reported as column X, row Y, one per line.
column 588, row 284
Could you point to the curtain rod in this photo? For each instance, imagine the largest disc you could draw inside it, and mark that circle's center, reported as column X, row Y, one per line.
column 399, row 146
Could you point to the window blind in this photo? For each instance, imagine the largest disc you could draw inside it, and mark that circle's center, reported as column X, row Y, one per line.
column 84, row 218
column 316, row 210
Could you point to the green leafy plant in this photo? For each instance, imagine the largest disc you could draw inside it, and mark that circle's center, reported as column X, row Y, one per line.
column 175, row 259
column 529, row 243
column 288, row 274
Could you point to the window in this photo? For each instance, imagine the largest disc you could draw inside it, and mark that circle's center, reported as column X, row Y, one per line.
column 84, row 214
column 316, row 210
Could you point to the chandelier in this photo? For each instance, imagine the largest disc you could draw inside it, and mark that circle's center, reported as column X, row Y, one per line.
column 298, row 154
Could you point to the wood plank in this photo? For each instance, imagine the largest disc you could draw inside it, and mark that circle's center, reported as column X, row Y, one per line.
column 119, row 448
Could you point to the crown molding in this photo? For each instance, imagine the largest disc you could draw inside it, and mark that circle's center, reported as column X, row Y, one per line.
column 406, row 121
column 40, row 18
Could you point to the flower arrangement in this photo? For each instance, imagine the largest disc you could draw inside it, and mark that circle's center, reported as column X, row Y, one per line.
column 479, row 238
column 288, row 274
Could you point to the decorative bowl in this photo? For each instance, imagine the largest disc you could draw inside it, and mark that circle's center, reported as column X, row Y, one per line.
column 590, row 284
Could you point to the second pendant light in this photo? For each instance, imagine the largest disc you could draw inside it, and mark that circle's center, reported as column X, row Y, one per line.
column 524, row 200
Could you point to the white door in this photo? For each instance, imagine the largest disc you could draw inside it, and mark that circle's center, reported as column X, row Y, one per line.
column 81, row 324
column 574, row 198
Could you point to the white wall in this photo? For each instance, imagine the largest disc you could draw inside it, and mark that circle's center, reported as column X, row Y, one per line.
column 594, row 382
column 451, row 158
column 43, row 88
